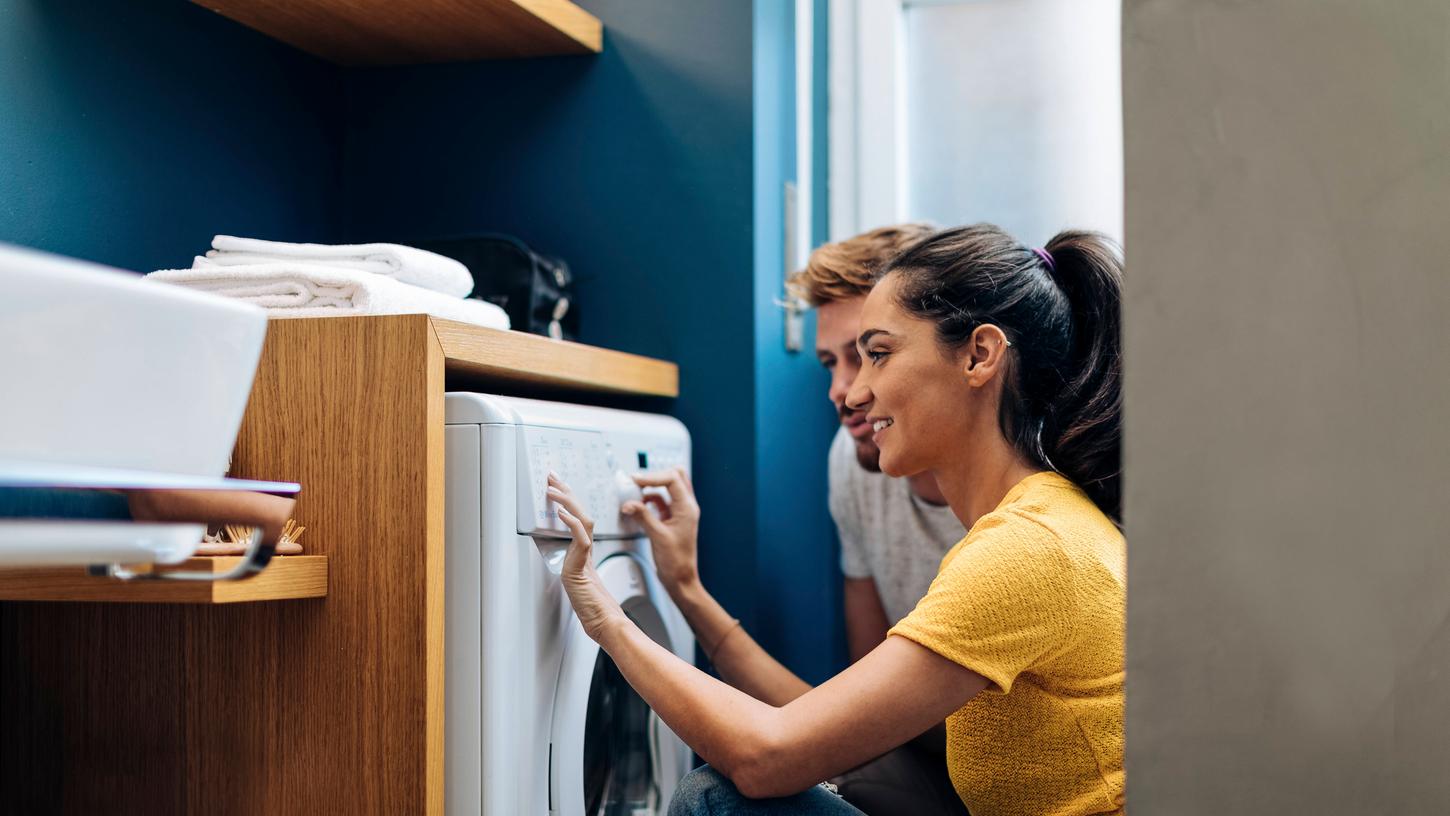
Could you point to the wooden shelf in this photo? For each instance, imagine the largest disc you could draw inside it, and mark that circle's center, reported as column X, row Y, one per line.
column 386, row 32
column 495, row 356
column 286, row 577
column 534, row 360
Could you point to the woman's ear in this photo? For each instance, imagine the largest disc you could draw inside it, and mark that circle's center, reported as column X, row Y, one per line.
column 984, row 354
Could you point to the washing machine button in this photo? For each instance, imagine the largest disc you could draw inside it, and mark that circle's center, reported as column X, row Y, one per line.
column 626, row 489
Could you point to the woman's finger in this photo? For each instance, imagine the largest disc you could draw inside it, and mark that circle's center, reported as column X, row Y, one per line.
column 579, row 558
column 567, row 500
column 669, row 480
column 652, row 525
column 658, row 502
column 575, row 525
column 579, row 554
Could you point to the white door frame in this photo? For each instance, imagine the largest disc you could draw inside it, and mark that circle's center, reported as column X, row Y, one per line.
column 867, row 118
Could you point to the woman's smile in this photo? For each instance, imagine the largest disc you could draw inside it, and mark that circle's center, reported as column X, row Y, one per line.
column 879, row 426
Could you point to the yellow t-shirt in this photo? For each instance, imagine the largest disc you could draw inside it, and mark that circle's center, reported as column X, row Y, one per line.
column 1033, row 599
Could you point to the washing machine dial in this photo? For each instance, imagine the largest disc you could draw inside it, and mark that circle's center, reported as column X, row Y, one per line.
column 626, row 489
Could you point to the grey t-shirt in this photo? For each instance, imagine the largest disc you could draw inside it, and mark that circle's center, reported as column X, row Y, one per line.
column 887, row 533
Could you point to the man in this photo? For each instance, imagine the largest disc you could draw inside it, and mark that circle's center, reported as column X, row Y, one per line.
column 893, row 532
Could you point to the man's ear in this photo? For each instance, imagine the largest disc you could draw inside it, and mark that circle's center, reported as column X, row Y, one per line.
column 984, row 355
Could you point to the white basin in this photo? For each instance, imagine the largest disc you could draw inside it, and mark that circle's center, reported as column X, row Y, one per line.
column 103, row 370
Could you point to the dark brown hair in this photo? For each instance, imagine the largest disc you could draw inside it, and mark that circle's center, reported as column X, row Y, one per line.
column 1062, row 398
column 847, row 269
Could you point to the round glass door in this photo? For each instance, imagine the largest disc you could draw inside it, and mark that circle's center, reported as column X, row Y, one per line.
column 611, row 754
column 621, row 737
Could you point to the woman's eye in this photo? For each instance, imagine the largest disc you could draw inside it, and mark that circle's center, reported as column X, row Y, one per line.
column 876, row 355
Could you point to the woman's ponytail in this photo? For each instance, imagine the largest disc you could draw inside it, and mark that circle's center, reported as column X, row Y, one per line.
column 1082, row 431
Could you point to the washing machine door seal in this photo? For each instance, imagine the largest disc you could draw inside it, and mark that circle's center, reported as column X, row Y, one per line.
column 609, row 753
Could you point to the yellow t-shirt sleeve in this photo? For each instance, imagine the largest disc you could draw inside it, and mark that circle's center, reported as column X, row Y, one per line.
column 1003, row 602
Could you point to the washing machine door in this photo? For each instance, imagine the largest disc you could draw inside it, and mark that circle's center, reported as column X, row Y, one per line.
column 610, row 754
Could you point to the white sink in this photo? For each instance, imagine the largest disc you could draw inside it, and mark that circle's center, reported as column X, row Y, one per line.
column 103, row 370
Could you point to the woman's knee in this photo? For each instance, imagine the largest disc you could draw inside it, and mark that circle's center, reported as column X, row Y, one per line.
column 693, row 794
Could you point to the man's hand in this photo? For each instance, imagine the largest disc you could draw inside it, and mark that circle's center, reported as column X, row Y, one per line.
column 674, row 533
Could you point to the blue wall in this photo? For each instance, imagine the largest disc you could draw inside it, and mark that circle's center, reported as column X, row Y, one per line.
column 130, row 133
column 798, row 572
column 656, row 168
column 635, row 165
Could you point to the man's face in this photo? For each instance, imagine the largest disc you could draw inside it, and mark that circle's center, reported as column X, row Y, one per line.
column 836, row 330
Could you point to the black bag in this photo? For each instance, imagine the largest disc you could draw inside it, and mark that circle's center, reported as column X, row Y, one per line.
column 536, row 290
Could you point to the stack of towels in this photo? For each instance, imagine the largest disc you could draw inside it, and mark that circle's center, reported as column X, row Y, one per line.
column 321, row 280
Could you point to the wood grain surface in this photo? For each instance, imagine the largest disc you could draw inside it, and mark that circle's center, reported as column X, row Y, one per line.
column 299, row 707
column 386, row 32
column 292, row 576
column 326, row 705
column 512, row 356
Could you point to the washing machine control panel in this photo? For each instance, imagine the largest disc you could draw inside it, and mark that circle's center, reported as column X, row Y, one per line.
column 597, row 466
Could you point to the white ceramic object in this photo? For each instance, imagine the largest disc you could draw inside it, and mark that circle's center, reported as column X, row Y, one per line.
column 52, row 543
column 108, row 377
column 105, row 369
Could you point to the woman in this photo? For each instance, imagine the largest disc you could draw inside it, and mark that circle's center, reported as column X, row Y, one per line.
column 995, row 367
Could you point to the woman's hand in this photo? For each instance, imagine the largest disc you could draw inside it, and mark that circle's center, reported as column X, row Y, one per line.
column 674, row 534
column 592, row 602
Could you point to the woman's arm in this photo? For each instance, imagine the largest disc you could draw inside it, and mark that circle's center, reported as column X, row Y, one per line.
column 673, row 542
column 892, row 694
column 883, row 700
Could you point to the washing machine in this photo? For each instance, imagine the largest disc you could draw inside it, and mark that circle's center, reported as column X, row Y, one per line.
column 539, row 720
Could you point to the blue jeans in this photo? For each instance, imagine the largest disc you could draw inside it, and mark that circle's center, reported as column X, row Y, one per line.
column 704, row 792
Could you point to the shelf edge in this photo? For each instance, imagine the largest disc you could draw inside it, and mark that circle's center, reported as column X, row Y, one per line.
column 544, row 361
column 287, row 577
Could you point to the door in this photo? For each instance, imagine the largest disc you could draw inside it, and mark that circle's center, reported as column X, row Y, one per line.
column 610, row 754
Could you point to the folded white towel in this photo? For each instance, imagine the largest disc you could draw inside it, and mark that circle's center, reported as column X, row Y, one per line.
column 312, row 290
column 407, row 264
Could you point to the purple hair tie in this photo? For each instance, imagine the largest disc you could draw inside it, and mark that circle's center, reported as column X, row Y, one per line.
column 1046, row 259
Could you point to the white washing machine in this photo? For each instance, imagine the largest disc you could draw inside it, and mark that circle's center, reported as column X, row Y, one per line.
column 538, row 718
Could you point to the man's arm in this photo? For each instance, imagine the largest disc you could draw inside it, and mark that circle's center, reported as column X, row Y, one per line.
column 737, row 657
column 672, row 534
column 866, row 622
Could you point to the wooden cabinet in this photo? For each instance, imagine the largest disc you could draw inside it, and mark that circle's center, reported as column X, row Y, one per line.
column 327, row 705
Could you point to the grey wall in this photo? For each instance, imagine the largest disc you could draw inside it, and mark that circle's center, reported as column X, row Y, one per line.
column 1288, row 460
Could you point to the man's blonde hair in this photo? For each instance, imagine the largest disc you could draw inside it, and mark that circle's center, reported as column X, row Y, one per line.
column 847, row 269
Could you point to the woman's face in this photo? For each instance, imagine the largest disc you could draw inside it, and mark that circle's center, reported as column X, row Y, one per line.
column 917, row 395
